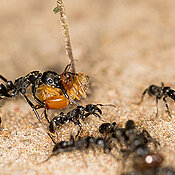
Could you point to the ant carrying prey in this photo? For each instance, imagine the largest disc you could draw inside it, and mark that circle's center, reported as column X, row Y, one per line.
column 55, row 91
column 80, row 112
column 159, row 92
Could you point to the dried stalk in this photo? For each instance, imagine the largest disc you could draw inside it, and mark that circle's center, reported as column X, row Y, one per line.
column 63, row 19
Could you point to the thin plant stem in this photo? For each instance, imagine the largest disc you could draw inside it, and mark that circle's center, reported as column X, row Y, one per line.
column 63, row 19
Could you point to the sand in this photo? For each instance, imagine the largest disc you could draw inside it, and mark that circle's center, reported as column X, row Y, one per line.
column 123, row 46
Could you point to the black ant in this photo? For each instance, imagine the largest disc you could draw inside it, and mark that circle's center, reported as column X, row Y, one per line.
column 159, row 92
column 130, row 139
column 80, row 112
column 80, row 144
column 56, row 87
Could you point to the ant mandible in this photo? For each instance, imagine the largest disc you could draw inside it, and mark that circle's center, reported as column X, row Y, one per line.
column 159, row 92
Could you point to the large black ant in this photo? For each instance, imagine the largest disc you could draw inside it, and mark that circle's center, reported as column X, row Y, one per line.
column 80, row 144
column 159, row 92
column 80, row 112
column 56, row 90
column 130, row 139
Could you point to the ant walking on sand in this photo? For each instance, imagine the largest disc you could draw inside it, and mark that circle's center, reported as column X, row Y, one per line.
column 80, row 144
column 80, row 112
column 159, row 92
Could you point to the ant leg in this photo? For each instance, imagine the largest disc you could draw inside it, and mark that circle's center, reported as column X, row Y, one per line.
column 162, row 84
column 36, row 99
column 142, row 97
column 37, row 116
column 157, row 106
column 45, row 114
column 66, row 95
column 164, row 99
column 3, row 78
column 150, row 139
column 67, row 68
column 77, row 122
column 45, row 111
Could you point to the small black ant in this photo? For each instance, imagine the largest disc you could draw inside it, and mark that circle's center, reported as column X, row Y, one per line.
column 80, row 144
column 159, row 92
column 80, row 112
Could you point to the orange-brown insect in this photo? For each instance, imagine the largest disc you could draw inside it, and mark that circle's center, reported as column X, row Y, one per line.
column 75, row 85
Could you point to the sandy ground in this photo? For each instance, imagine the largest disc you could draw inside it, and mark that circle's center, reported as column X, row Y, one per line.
column 122, row 45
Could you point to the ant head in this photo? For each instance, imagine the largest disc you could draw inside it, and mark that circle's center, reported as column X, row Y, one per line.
column 166, row 90
column 51, row 78
column 130, row 124
column 105, row 128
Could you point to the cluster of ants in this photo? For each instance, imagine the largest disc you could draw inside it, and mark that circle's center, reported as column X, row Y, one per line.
column 51, row 91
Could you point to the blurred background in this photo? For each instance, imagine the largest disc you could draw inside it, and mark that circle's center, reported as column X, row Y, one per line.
column 131, row 39
column 122, row 45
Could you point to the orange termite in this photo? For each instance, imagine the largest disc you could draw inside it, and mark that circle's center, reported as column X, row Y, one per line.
column 75, row 85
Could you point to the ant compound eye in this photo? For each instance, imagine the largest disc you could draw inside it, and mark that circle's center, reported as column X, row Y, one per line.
column 50, row 81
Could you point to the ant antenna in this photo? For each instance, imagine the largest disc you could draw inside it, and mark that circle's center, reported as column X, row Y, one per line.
column 62, row 14
column 107, row 105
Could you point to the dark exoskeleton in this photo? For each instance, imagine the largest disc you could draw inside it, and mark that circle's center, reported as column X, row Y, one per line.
column 137, row 143
column 131, row 141
column 159, row 92
column 34, row 79
column 80, row 112
column 80, row 144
